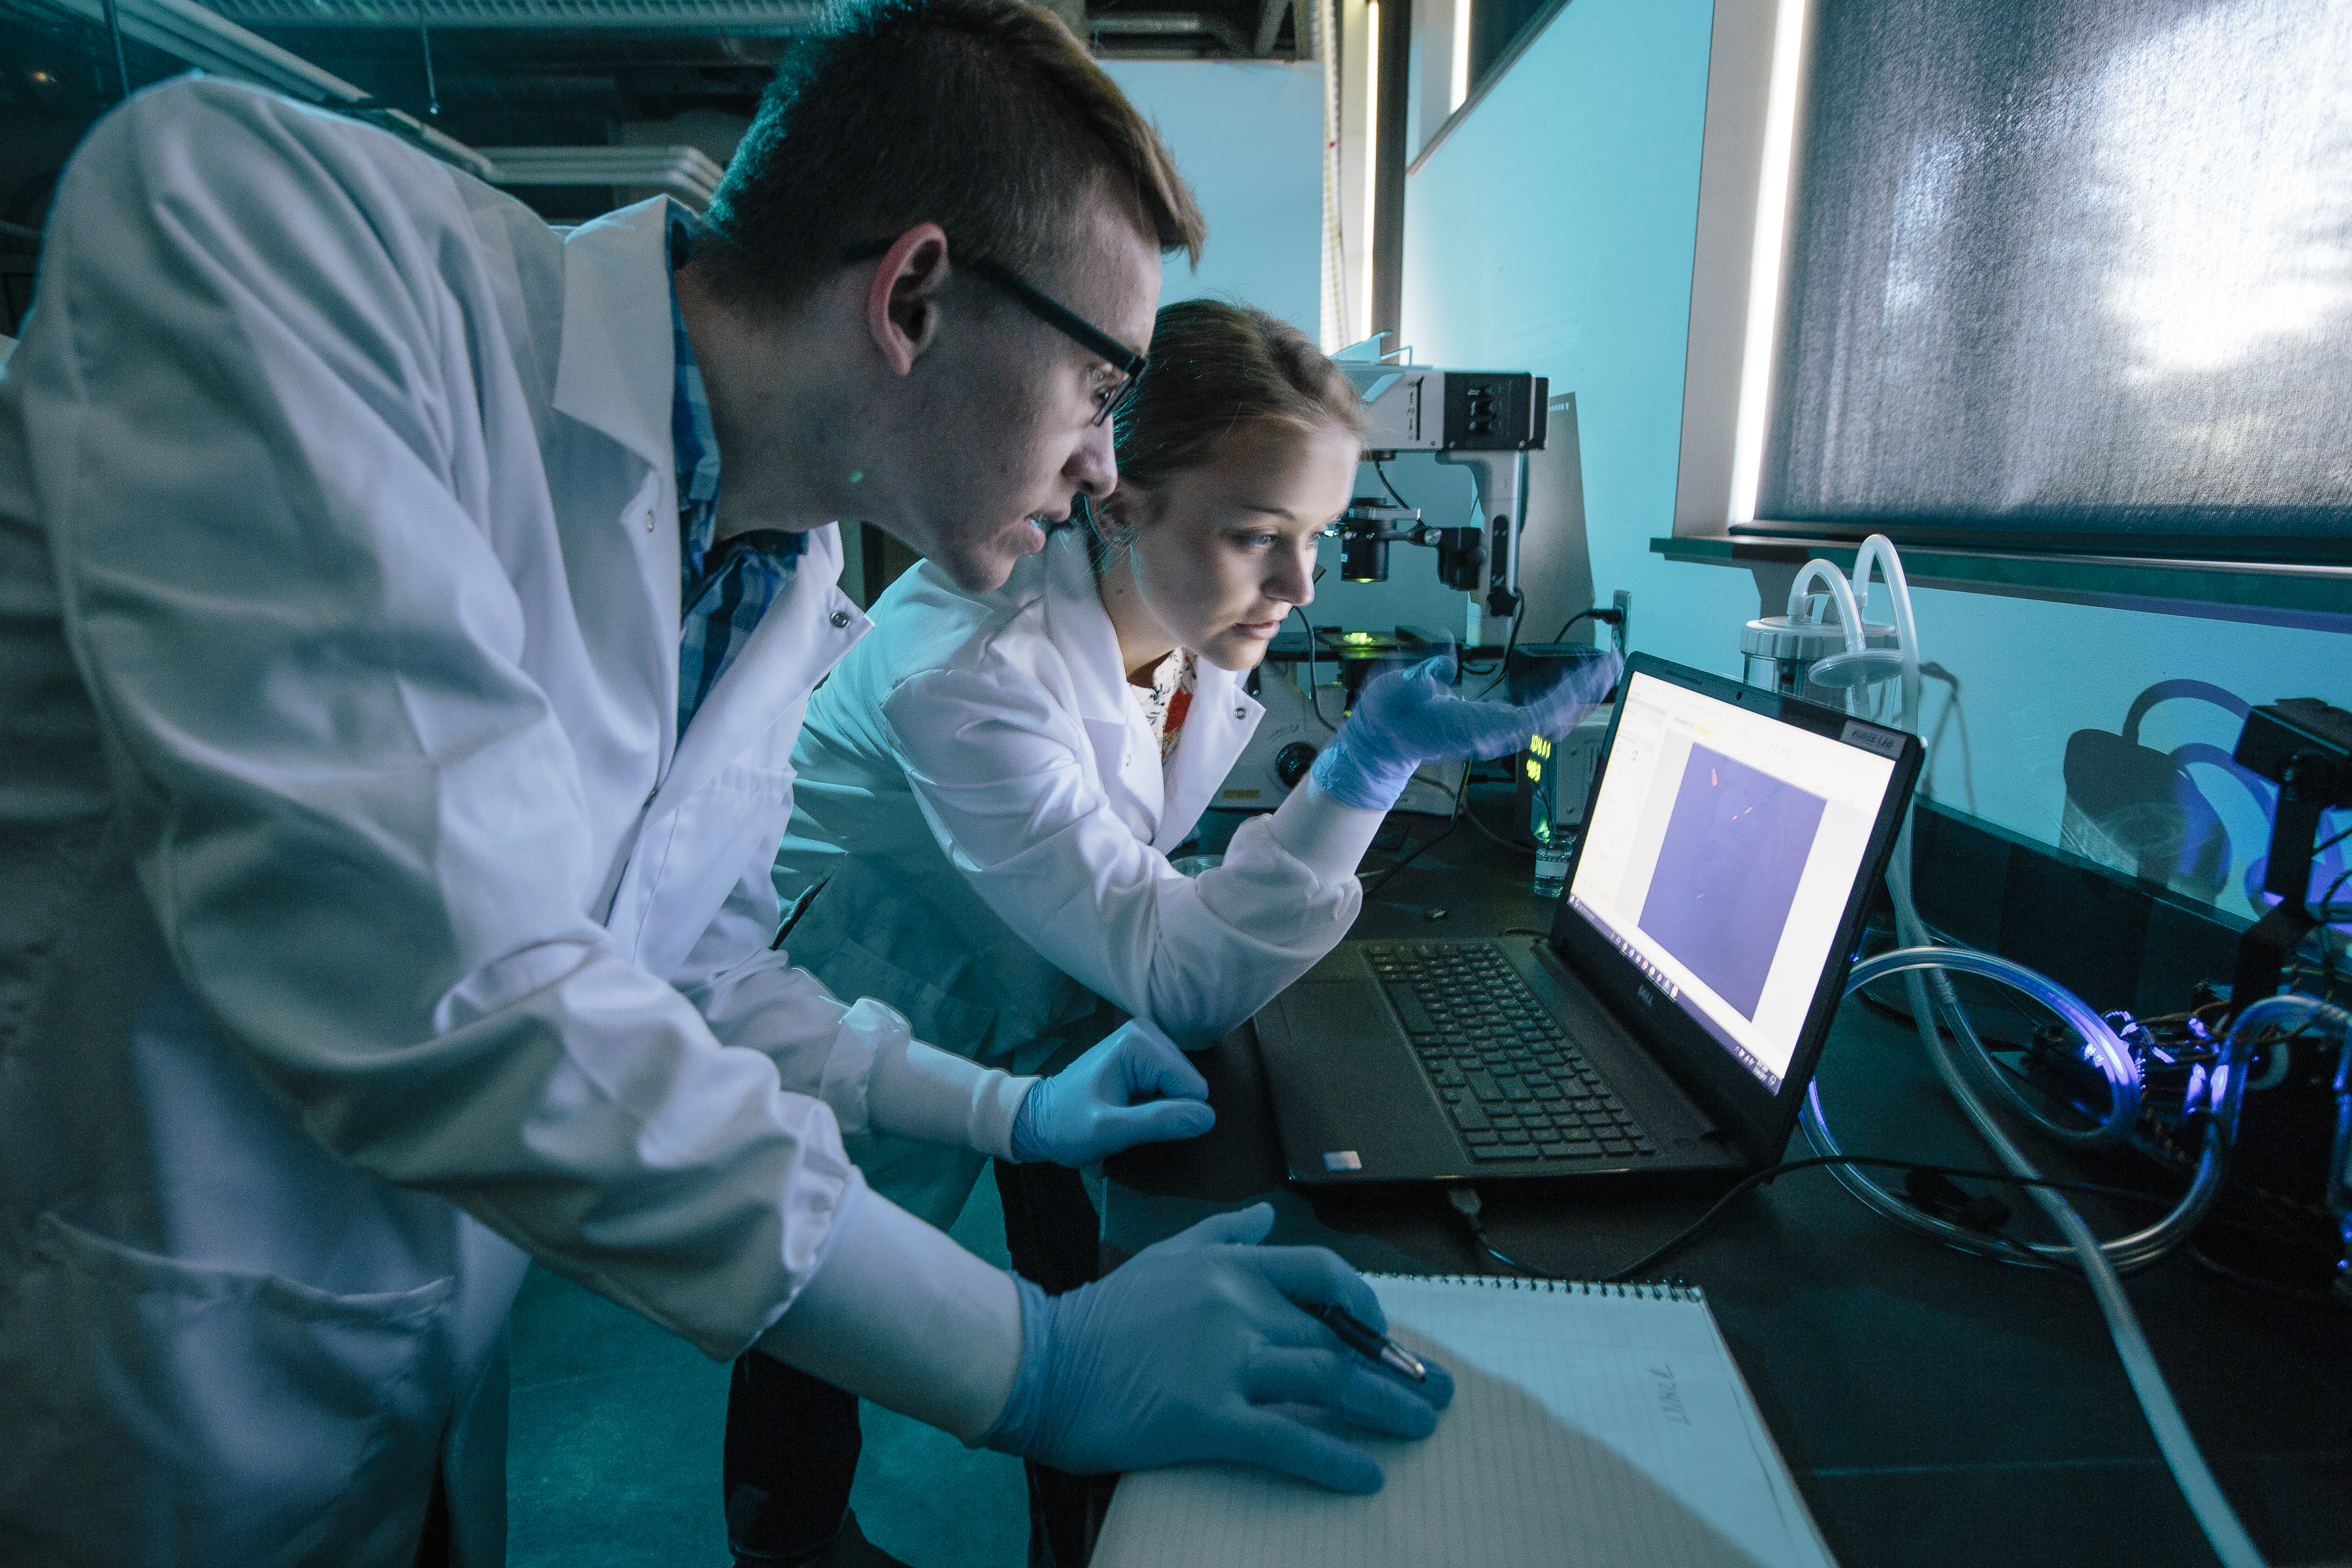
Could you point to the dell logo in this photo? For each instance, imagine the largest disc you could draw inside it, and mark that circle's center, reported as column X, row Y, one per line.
column 1649, row 997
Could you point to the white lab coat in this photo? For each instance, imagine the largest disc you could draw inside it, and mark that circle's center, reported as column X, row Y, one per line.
column 366, row 921
column 990, row 807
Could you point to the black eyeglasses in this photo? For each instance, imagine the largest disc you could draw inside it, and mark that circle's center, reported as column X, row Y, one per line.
column 1110, row 399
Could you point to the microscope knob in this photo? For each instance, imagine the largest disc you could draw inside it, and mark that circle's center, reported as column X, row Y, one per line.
column 1291, row 763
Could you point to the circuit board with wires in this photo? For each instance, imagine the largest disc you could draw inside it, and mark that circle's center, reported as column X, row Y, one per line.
column 2271, row 1230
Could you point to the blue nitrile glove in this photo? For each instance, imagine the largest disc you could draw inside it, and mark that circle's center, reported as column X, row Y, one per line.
column 1405, row 718
column 1134, row 1087
column 1181, row 1352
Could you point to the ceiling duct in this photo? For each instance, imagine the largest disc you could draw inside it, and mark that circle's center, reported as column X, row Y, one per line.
column 686, row 173
column 212, row 43
column 1171, row 27
column 189, row 32
column 1269, row 24
column 639, row 15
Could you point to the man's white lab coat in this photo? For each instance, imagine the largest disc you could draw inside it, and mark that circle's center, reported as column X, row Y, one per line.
column 365, row 919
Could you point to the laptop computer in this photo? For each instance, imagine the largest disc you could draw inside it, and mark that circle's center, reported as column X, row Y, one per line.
column 1670, row 1020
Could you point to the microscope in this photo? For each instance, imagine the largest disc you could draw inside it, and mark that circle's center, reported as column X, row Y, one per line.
column 1486, row 421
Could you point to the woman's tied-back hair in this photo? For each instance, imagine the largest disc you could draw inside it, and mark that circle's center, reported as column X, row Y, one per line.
column 986, row 117
column 1214, row 365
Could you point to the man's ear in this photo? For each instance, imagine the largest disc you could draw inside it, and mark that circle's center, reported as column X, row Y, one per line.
column 902, row 297
column 1119, row 515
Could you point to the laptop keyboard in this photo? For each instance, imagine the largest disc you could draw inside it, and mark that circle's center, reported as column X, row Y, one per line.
column 1516, row 1088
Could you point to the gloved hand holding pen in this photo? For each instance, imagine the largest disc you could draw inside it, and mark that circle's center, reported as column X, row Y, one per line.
column 1134, row 1087
column 1188, row 1350
column 1403, row 719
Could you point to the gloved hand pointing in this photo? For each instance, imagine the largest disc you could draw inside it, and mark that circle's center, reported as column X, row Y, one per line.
column 1180, row 1354
column 1405, row 718
column 1134, row 1087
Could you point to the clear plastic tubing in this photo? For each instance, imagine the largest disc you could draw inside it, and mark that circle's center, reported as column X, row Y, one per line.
column 2219, row 1522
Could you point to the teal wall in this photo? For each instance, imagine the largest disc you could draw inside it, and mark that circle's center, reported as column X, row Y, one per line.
column 1249, row 139
column 1553, row 232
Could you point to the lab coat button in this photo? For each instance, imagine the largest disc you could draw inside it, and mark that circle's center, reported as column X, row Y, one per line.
column 649, row 519
column 840, row 618
column 1241, row 712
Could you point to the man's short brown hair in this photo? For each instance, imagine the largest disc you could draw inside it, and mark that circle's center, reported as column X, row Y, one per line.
column 986, row 117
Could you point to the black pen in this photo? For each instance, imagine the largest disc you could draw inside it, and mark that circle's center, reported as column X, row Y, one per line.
column 1365, row 1339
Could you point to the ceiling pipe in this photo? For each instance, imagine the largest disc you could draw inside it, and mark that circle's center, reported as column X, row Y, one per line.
column 688, row 173
column 188, row 31
column 1270, row 14
column 1168, row 25
column 752, row 17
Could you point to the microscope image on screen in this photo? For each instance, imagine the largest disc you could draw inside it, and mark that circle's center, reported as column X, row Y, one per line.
column 1727, row 875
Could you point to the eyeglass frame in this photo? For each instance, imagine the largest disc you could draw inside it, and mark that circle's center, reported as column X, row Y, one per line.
column 1048, row 310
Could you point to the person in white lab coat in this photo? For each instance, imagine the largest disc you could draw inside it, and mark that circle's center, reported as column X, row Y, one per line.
column 397, row 700
column 988, row 789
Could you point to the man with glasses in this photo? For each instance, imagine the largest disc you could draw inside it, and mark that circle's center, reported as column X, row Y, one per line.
column 1121, row 364
column 410, row 615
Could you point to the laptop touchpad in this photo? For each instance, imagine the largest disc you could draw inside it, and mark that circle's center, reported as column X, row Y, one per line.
column 1351, row 1099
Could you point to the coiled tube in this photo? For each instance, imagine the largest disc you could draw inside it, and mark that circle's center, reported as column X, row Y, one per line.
column 2101, row 1263
column 2129, row 1253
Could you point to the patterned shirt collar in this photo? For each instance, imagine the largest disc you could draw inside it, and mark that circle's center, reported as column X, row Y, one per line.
column 723, row 592
column 1168, row 699
column 692, row 438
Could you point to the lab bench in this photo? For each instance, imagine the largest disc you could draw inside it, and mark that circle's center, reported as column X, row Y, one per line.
column 1935, row 1408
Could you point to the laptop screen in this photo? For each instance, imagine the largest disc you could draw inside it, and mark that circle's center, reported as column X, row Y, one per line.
column 1720, row 856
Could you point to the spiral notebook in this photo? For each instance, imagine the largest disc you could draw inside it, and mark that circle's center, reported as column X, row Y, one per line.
column 1591, row 1425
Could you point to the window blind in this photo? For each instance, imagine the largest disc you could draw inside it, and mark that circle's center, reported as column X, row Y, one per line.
column 2072, row 272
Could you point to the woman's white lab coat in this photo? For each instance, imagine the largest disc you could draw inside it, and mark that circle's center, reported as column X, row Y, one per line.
column 986, row 806
column 364, row 917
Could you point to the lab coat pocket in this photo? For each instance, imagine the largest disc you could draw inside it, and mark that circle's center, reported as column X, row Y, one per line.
column 690, row 857
column 166, row 1412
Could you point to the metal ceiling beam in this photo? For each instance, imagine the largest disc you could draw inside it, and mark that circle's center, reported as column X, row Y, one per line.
column 189, row 32
column 686, row 173
column 1269, row 23
column 752, row 17
column 1168, row 25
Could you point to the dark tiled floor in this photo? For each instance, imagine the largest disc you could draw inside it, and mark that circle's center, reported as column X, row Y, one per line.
column 613, row 1456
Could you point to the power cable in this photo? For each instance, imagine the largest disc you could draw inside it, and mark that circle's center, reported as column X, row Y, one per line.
column 424, row 44
column 1476, row 821
column 1503, row 665
column 1453, row 821
column 114, row 31
column 1314, row 681
column 1765, row 1177
column 1609, row 616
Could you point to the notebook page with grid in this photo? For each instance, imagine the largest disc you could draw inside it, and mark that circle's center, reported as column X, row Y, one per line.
column 1591, row 1425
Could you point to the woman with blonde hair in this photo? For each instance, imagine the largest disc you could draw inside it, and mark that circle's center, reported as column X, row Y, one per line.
column 988, row 787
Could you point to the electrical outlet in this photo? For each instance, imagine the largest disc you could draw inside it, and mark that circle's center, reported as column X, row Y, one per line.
column 1622, row 601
